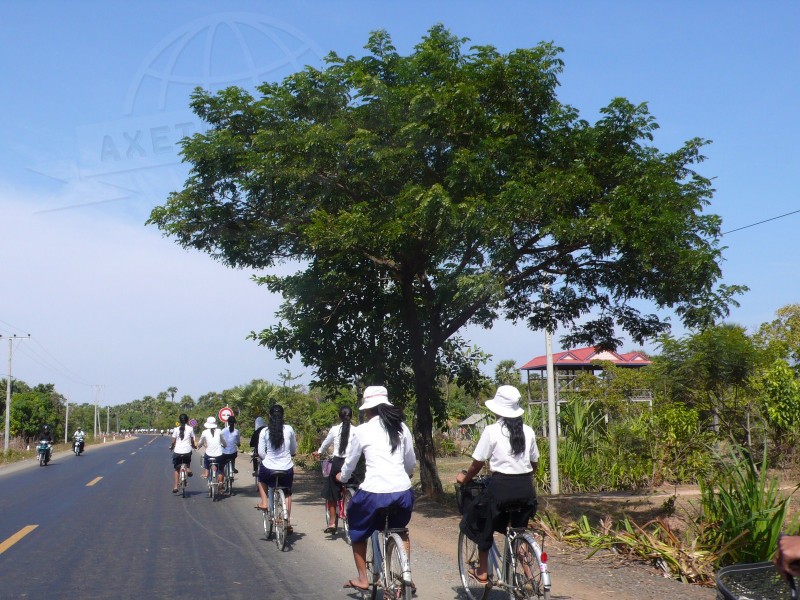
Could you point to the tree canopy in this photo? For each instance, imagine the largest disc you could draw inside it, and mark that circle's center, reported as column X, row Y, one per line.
column 419, row 194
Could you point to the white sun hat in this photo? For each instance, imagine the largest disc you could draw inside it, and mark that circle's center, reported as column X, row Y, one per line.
column 375, row 395
column 210, row 423
column 506, row 402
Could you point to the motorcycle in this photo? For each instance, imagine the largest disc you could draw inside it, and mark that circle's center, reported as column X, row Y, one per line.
column 44, row 452
column 77, row 447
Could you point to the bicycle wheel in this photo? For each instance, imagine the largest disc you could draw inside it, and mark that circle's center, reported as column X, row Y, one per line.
column 373, row 570
column 280, row 518
column 267, row 524
column 345, row 500
column 214, row 483
column 183, row 482
column 398, row 571
column 528, row 580
column 468, row 559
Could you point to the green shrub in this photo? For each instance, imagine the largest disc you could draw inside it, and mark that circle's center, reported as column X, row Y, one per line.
column 743, row 510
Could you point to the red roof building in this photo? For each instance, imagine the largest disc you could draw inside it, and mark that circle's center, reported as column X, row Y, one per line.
column 582, row 359
column 567, row 365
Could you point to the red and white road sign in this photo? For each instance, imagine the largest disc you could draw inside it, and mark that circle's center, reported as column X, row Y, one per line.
column 224, row 413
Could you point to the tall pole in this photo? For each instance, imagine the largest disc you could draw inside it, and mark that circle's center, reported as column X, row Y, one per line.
column 108, row 416
column 8, row 389
column 66, row 423
column 551, row 415
column 8, row 400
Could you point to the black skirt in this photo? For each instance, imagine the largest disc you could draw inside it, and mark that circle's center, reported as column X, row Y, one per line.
column 330, row 489
column 486, row 513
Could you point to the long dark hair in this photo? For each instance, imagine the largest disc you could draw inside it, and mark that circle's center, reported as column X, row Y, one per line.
column 345, row 414
column 392, row 419
column 231, row 423
column 276, row 426
column 515, row 434
column 183, row 419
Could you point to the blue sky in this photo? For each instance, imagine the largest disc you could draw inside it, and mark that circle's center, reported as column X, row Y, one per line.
column 95, row 99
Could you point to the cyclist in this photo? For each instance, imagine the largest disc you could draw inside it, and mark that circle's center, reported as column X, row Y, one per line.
column 214, row 443
column 79, row 435
column 232, row 443
column 182, row 443
column 259, row 425
column 386, row 443
column 510, row 447
column 340, row 436
column 277, row 444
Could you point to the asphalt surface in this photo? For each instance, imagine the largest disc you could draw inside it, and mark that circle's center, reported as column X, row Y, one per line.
column 127, row 536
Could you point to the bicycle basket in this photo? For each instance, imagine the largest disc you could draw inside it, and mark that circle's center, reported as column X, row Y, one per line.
column 467, row 493
column 326, row 467
column 757, row 581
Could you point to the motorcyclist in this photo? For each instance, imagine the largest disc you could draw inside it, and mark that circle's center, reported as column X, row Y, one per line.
column 78, row 436
column 46, row 435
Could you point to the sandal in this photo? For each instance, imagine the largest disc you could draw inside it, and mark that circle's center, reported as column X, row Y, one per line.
column 289, row 529
column 329, row 530
column 174, row 490
column 474, row 575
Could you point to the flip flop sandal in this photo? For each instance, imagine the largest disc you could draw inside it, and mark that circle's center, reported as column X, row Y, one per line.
column 473, row 575
column 329, row 530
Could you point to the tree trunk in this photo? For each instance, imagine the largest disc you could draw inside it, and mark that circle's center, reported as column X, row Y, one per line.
column 423, row 433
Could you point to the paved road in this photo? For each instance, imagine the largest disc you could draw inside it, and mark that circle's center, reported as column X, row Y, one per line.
column 126, row 536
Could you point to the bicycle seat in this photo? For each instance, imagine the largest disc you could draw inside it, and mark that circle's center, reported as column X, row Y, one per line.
column 279, row 473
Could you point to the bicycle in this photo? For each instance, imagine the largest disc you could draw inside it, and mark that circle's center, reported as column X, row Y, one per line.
column 213, row 482
column 394, row 573
column 346, row 491
column 183, row 479
column 227, row 482
column 521, row 569
column 276, row 521
column 757, row 580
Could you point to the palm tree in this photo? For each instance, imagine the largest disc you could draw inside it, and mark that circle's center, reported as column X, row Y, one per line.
column 171, row 391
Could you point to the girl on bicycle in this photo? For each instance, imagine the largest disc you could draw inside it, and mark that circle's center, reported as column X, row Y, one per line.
column 277, row 444
column 340, row 436
column 181, row 446
column 388, row 449
column 510, row 447
column 232, row 443
column 214, row 443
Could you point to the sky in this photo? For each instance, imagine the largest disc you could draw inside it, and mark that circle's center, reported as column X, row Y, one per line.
column 95, row 101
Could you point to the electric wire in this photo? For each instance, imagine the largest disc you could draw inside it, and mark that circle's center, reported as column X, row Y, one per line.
column 761, row 222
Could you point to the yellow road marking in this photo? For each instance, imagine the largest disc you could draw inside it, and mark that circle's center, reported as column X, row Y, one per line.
column 93, row 481
column 16, row 537
column 120, row 462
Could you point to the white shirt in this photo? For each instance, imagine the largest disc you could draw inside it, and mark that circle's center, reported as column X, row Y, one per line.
column 277, row 459
column 183, row 446
column 495, row 446
column 214, row 443
column 386, row 472
column 232, row 440
column 80, row 434
column 334, row 437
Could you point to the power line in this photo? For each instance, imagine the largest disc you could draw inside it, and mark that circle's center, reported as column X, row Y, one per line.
column 760, row 222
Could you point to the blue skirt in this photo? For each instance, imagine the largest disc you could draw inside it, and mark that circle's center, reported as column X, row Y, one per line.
column 364, row 519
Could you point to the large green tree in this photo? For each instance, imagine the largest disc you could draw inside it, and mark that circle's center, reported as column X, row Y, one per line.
column 419, row 194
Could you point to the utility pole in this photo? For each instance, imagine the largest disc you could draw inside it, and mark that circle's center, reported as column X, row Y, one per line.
column 8, row 389
column 108, row 416
column 551, row 415
column 66, row 422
